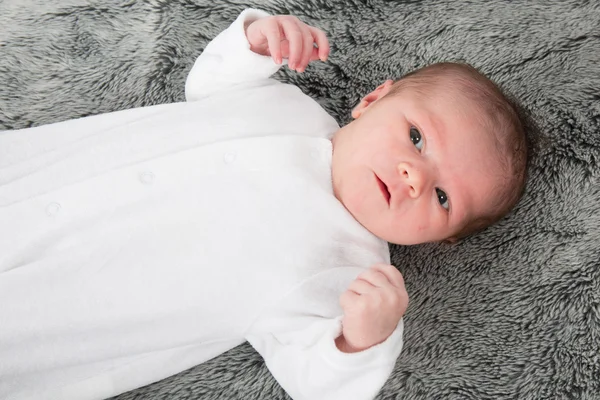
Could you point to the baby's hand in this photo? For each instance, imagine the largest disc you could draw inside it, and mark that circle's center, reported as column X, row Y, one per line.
column 285, row 36
column 373, row 306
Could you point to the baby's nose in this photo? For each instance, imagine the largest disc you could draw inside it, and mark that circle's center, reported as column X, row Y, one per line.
column 414, row 177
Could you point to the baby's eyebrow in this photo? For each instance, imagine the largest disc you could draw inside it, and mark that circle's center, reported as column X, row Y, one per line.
column 437, row 124
column 429, row 129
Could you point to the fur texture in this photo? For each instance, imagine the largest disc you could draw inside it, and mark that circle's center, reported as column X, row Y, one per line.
column 511, row 313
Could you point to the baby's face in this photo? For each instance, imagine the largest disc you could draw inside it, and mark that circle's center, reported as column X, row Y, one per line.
column 415, row 169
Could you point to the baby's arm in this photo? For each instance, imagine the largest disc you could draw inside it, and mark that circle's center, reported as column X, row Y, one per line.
column 251, row 50
column 315, row 355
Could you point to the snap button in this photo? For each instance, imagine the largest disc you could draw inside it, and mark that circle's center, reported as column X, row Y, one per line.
column 53, row 209
column 147, row 177
column 229, row 158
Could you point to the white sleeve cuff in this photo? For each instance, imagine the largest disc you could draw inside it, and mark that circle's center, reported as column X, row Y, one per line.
column 242, row 62
column 383, row 353
column 227, row 61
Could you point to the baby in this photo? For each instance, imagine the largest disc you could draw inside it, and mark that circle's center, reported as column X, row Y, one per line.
column 137, row 244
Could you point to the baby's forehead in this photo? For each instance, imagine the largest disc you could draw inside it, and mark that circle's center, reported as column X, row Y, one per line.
column 456, row 87
column 447, row 105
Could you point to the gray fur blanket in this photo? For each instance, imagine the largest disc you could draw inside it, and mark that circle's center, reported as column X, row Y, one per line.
column 510, row 313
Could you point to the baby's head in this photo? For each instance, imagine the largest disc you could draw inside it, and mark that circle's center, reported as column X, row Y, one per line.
column 437, row 155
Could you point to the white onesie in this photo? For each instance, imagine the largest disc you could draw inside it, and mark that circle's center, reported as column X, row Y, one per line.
column 137, row 244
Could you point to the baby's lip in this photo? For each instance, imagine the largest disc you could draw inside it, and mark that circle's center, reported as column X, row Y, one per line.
column 384, row 189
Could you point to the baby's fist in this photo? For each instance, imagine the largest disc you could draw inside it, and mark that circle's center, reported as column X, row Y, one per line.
column 373, row 305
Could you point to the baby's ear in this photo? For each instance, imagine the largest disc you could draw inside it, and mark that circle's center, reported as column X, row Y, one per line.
column 371, row 98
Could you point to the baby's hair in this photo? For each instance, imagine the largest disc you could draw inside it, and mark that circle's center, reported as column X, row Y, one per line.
column 500, row 116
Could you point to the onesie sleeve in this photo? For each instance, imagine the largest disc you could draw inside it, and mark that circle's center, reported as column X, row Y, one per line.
column 297, row 342
column 227, row 61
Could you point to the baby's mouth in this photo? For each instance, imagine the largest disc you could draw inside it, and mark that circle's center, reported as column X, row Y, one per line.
column 384, row 189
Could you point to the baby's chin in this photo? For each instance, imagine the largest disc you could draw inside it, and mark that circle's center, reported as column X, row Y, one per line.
column 360, row 212
column 375, row 225
column 399, row 235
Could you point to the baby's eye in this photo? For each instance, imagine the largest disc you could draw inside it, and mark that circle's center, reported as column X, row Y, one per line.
column 415, row 137
column 442, row 198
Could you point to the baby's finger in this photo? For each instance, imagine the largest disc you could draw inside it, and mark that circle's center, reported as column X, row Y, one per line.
column 307, row 47
column 322, row 43
column 315, row 54
column 360, row 286
column 374, row 277
column 273, row 34
column 391, row 273
column 294, row 36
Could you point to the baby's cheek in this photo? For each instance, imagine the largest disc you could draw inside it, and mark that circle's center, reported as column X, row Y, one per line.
column 426, row 221
column 389, row 136
column 423, row 226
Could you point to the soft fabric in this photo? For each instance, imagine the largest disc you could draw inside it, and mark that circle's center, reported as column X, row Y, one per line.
column 513, row 312
column 116, row 271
